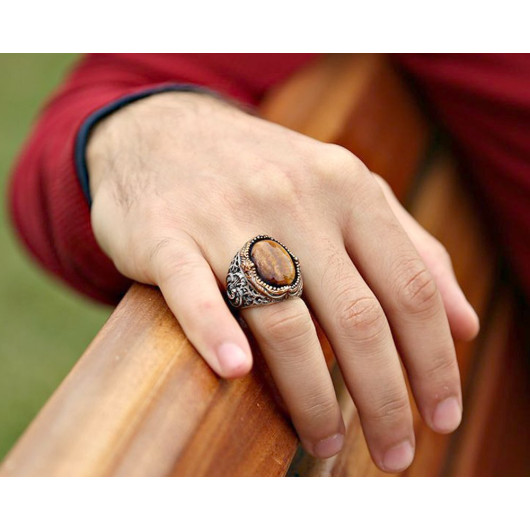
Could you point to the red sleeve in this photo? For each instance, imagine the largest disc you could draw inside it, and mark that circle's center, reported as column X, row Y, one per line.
column 483, row 100
column 47, row 205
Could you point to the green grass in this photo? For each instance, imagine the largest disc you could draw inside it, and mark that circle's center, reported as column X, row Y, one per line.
column 44, row 326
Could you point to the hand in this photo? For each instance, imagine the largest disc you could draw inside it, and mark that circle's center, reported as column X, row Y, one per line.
column 181, row 181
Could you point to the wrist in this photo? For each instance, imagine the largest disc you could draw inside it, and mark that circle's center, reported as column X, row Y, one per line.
column 133, row 126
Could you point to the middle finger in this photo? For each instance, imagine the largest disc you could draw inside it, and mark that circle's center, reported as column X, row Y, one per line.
column 357, row 328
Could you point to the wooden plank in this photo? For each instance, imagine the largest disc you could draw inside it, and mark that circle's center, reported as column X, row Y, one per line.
column 495, row 439
column 134, row 400
column 484, row 391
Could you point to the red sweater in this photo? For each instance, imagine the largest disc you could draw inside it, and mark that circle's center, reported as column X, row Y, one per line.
column 483, row 100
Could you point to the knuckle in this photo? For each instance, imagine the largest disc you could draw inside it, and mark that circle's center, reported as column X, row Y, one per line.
column 276, row 183
column 336, row 159
column 284, row 187
column 340, row 167
column 345, row 179
column 319, row 407
column 383, row 183
column 440, row 252
column 416, row 290
column 360, row 317
column 442, row 367
column 286, row 324
column 393, row 408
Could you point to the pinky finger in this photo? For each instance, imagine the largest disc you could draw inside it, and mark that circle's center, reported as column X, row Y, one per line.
column 462, row 318
column 192, row 293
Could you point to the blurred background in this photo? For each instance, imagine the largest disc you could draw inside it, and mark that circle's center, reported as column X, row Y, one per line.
column 44, row 327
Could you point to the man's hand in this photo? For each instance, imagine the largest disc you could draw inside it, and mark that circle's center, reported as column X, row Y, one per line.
column 181, row 181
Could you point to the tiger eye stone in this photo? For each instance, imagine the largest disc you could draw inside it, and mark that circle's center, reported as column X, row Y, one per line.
column 273, row 263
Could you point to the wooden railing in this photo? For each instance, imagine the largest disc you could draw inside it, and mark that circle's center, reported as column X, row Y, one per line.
column 140, row 401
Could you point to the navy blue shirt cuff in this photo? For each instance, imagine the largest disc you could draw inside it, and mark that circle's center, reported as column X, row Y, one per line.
column 84, row 131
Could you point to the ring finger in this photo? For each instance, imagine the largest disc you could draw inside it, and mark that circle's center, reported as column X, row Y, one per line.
column 288, row 340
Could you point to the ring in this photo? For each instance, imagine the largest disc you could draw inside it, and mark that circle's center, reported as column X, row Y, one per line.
column 263, row 272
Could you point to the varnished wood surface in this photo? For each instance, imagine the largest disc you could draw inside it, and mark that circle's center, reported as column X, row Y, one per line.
column 139, row 395
column 141, row 401
column 495, row 440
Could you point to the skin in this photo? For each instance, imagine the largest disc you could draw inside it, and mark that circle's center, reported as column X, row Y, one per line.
column 181, row 181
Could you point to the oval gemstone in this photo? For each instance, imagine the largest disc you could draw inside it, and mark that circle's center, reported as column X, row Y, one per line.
column 273, row 263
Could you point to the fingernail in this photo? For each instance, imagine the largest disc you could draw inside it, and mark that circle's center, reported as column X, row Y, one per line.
column 329, row 446
column 399, row 457
column 231, row 358
column 447, row 415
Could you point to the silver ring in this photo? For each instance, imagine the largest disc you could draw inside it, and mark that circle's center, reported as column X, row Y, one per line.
column 263, row 272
